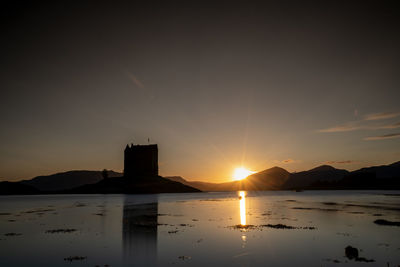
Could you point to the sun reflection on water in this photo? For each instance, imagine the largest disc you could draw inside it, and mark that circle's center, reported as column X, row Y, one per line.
column 242, row 197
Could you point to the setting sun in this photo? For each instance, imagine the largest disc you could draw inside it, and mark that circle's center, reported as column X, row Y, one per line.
column 241, row 173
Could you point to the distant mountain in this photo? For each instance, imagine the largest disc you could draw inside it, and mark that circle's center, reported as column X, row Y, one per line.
column 270, row 179
column 16, row 188
column 67, row 180
column 396, row 164
column 276, row 178
column 385, row 177
column 178, row 179
column 204, row 186
column 322, row 177
column 384, row 171
column 324, row 173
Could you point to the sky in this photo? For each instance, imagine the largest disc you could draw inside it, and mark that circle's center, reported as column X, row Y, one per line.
column 216, row 85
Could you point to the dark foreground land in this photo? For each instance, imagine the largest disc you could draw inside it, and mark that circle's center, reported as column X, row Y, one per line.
column 115, row 185
column 130, row 185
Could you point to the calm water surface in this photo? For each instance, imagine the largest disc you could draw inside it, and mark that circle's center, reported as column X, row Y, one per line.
column 200, row 229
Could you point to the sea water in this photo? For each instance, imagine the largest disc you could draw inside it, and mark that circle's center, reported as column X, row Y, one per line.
column 279, row 228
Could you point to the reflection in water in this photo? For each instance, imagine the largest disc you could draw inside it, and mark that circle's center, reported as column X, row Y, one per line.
column 140, row 234
column 242, row 197
column 244, row 240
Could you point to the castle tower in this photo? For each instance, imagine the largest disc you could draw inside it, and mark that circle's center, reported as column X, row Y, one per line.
column 140, row 161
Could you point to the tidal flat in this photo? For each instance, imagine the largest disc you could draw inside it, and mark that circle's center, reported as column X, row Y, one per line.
column 279, row 228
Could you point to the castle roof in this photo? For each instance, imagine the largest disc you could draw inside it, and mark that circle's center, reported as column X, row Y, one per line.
column 149, row 146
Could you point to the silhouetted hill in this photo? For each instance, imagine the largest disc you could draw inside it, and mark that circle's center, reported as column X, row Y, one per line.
column 322, row 177
column 127, row 185
column 396, row 164
column 322, row 168
column 270, row 179
column 385, row 177
column 384, row 171
column 203, row 186
column 114, row 185
column 178, row 179
column 325, row 173
column 67, row 180
column 16, row 188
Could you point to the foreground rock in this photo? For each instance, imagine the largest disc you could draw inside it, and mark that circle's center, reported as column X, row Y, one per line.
column 352, row 254
column 386, row 222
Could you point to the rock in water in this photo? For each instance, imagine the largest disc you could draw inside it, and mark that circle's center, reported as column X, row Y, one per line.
column 351, row 253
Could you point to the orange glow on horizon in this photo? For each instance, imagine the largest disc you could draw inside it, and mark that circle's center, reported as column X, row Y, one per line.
column 241, row 173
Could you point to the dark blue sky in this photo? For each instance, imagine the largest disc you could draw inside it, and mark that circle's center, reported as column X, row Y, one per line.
column 216, row 85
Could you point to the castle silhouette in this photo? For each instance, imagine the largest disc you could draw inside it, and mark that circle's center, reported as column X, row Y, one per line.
column 140, row 161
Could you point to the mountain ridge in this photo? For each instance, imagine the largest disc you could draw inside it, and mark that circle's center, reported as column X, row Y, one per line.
column 275, row 178
column 320, row 177
column 68, row 179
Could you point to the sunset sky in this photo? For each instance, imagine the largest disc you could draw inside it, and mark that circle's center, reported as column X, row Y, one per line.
column 215, row 85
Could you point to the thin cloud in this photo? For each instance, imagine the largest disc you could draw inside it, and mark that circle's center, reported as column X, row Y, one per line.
column 341, row 162
column 341, row 128
column 354, row 127
column 391, row 126
column 141, row 89
column 383, row 137
column 287, row 161
column 381, row 116
column 136, row 81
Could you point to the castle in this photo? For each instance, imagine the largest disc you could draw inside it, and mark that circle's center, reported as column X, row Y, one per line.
column 140, row 161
